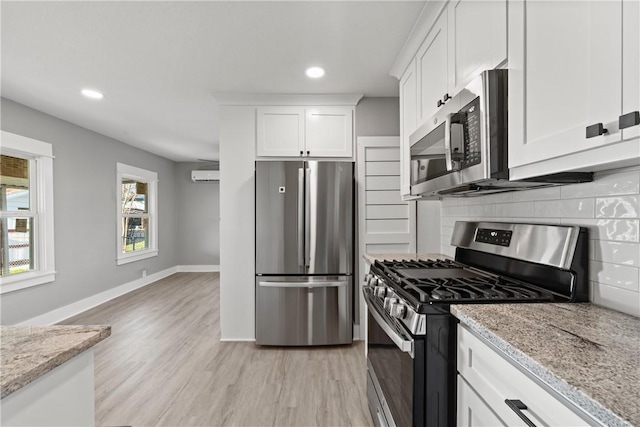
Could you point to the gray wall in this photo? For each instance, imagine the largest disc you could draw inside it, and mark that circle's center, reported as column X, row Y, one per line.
column 378, row 117
column 198, row 229
column 85, row 214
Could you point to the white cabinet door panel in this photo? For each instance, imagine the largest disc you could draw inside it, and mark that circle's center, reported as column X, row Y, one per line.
column 408, row 123
column 631, row 63
column 433, row 71
column 477, row 39
column 565, row 57
column 472, row 411
column 329, row 132
column 280, row 131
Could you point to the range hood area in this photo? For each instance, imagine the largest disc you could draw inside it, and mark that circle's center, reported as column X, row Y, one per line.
column 463, row 149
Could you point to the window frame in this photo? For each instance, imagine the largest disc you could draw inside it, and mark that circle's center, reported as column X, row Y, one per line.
column 40, row 156
column 124, row 171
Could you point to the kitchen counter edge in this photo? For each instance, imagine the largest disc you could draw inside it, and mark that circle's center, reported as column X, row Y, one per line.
column 531, row 356
column 29, row 352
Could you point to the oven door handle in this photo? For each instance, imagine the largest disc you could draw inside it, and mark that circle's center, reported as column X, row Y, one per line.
column 405, row 345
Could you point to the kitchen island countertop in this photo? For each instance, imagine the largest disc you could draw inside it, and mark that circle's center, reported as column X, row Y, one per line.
column 588, row 354
column 28, row 352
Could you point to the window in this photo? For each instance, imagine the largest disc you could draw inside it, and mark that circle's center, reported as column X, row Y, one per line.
column 137, row 218
column 26, row 213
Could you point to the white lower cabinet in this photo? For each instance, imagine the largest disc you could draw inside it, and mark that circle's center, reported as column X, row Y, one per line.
column 487, row 383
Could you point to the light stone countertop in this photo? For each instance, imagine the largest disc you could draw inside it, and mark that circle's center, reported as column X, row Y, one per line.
column 399, row 256
column 28, row 352
column 588, row 354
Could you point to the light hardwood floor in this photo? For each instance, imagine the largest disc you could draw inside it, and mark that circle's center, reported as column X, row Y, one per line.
column 164, row 365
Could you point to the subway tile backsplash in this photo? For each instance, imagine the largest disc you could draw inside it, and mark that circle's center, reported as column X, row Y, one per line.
column 609, row 207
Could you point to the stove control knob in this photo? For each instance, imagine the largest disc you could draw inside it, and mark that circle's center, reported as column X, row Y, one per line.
column 380, row 291
column 398, row 310
column 367, row 277
column 373, row 281
column 388, row 302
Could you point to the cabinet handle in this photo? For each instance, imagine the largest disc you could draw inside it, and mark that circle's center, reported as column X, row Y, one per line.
column 446, row 98
column 517, row 406
column 629, row 119
column 440, row 103
column 308, row 153
column 302, row 153
column 596, row 130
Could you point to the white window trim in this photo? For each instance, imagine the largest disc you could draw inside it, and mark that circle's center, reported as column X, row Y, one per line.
column 42, row 153
column 127, row 171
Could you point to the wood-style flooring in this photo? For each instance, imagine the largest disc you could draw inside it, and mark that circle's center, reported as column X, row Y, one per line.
column 164, row 365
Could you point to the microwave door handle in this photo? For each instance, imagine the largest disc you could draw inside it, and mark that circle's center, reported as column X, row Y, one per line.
column 447, row 143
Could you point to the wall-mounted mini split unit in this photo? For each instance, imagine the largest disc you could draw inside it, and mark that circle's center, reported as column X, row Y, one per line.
column 205, row 176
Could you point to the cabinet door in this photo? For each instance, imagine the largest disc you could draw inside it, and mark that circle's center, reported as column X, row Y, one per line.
column 433, row 70
column 565, row 75
column 631, row 64
column 408, row 123
column 280, row 131
column 477, row 39
column 329, row 132
column 472, row 411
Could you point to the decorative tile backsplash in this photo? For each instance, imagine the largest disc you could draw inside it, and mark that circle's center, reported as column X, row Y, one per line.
column 609, row 207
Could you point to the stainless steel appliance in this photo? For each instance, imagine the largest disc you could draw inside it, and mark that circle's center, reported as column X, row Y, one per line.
column 463, row 149
column 411, row 349
column 304, row 252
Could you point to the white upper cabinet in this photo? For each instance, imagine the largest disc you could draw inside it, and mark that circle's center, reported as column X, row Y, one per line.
column 451, row 44
column 280, row 131
column 329, row 132
column 305, row 131
column 433, row 71
column 469, row 37
column 408, row 123
column 477, row 39
column 573, row 74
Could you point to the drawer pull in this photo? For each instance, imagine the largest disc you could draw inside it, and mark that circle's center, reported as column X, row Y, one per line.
column 596, row 130
column 446, row 97
column 440, row 103
column 629, row 119
column 517, row 406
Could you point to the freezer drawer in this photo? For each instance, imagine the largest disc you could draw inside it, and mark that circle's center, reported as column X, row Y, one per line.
column 301, row 311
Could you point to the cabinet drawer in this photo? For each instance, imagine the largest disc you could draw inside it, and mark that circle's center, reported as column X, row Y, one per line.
column 472, row 411
column 495, row 379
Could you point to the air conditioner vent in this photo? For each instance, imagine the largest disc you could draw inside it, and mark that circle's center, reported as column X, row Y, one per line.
column 205, row 176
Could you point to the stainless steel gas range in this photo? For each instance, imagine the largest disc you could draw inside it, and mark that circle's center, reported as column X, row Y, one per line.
column 411, row 338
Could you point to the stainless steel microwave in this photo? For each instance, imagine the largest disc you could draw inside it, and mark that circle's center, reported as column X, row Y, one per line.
column 463, row 149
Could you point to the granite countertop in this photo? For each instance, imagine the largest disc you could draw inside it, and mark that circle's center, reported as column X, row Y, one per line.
column 398, row 256
column 588, row 354
column 28, row 352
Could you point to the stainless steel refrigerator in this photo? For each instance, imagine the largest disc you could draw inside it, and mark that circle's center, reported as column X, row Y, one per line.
column 304, row 252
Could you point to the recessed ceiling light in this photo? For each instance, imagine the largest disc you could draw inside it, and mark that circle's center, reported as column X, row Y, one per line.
column 315, row 72
column 93, row 94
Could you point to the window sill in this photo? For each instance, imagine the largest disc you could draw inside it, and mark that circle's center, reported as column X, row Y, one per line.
column 126, row 259
column 26, row 280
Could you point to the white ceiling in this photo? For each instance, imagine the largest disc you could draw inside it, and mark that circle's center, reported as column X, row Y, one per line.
column 159, row 63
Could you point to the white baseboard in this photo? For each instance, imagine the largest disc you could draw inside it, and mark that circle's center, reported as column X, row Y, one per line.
column 197, row 268
column 70, row 310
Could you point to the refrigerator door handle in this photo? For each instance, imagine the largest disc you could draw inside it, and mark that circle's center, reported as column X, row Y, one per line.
column 310, row 210
column 301, row 218
column 322, row 284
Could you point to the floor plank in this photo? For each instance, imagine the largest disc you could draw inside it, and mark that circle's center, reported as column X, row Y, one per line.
column 164, row 365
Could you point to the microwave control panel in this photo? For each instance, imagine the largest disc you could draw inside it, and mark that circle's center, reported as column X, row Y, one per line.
column 470, row 117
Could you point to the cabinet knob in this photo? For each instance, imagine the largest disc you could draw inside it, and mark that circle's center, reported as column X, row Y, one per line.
column 302, row 153
column 308, row 153
column 440, row 103
column 446, row 98
column 629, row 119
column 596, row 130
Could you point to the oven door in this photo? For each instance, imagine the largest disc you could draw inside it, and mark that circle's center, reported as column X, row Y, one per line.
column 396, row 367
